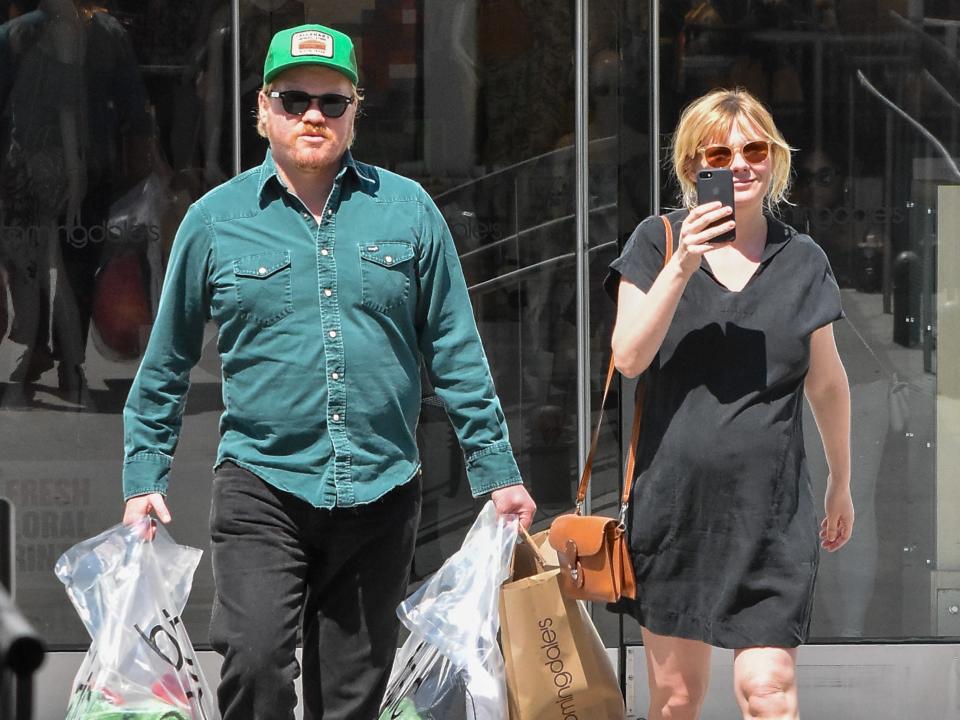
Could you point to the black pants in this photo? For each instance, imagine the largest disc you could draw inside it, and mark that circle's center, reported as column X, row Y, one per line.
column 280, row 565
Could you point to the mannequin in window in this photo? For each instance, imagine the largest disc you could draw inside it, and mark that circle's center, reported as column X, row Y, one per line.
column 42, row 166
column 119, row 153
column 259, row 19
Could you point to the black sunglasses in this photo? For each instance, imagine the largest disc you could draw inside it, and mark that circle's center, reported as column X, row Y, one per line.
column 296, row 102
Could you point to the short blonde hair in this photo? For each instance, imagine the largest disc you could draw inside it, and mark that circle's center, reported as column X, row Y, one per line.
column 710, row 119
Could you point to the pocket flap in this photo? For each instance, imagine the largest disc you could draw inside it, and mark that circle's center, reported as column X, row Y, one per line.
column 388, row 253
column 587, row 531
column 262, row 265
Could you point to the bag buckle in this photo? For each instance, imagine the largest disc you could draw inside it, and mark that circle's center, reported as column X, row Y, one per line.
column 569, row 560
column 623, row 517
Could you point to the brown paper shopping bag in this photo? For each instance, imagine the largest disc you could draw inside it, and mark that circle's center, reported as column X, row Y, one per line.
column 556, row 664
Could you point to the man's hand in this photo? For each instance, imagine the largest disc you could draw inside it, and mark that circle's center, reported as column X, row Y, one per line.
column 515, row 500
column 140, row 507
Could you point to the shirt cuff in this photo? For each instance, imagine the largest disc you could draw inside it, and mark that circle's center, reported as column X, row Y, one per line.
column 492, row 468
column 145, row 473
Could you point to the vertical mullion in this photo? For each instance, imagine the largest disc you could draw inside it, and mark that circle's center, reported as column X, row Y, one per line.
column 654, row 64
column 582, row 214
column 235, row 76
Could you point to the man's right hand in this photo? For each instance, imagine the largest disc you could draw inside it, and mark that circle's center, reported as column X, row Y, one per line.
column 142, row 505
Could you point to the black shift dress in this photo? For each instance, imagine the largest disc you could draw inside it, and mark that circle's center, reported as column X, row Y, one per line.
column 723, row 527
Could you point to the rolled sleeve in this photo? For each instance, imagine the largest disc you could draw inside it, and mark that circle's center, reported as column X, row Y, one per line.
column 492, row 468
column 455, row 361
column 146, row 473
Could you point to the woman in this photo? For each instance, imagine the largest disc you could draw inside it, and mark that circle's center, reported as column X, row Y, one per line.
column 723, row 528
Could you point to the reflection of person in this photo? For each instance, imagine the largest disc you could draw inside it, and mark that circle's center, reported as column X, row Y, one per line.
column 42, row 169
column 330, row 281
column 258, row 19
column 819, row 196
column 74, row 95
column 723, row 528
column 118, row 146
column 846, row 581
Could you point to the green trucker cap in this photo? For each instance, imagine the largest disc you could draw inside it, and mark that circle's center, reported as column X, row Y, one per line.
column 310, row 45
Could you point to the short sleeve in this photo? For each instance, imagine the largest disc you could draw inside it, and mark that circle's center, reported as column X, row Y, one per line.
column 823, row 304
column 641, row 259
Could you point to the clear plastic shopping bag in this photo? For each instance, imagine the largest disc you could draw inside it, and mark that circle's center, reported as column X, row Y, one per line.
column 451, row 668
column 425, row 685
column 130, row 592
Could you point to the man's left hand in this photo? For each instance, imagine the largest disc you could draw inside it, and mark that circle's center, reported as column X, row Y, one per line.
column 515, row 500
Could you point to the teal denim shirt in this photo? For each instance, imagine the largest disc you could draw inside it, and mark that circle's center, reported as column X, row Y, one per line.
column 321, row 333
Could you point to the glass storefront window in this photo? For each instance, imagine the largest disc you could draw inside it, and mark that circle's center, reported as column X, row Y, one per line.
column 474, row 99
column 112, row 123
column 109, row 128
column 867, row 94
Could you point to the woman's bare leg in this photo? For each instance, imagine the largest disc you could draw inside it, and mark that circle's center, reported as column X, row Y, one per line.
column 678, row 672
column 765, row 683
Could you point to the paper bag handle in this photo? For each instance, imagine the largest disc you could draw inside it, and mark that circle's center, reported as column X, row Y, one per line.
column 525, row 536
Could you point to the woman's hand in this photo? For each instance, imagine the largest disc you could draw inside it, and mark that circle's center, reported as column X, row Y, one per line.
column 696, row 234
column 837, row 526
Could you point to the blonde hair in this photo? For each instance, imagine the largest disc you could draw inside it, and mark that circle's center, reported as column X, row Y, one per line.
column 357, row 99
column 710, row 119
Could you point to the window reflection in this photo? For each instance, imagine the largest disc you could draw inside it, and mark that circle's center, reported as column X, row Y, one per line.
column 115, row 116
column 77, row 134
column 102, row 149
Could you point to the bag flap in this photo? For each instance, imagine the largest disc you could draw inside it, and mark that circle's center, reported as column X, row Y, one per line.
column 387, row 253
column 261, row 265
column 587, row 531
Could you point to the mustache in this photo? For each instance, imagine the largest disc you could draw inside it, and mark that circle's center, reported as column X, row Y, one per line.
column 321, row 130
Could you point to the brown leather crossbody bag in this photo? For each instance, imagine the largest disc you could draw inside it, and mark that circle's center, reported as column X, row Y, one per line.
column 592, row 549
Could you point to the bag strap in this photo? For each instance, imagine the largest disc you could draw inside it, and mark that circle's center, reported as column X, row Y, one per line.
column 637, row 414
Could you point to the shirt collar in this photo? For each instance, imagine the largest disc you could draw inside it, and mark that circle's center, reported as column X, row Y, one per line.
column 268, row 170
column 778, row 236
column 349, row 162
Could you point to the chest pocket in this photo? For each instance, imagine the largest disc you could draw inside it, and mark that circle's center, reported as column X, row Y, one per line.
column 263, row 284
column 386, row 270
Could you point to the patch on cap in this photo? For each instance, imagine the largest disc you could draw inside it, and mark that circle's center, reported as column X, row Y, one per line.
column 311, row 42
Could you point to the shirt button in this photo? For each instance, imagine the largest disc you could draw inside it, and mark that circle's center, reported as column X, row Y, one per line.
column 336, row 417
column 333, row 333
column 324, row 252
column 388, row 259
column 306, row 215
column 328, row 292
column 335, row 376
column 329, row 212
column 262, row 271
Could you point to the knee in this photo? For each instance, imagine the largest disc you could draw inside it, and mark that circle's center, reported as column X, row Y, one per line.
column 253, row 658
column 770, row 694
column 253, row 666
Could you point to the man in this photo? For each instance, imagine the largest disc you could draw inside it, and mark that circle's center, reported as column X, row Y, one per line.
column 330, row 281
